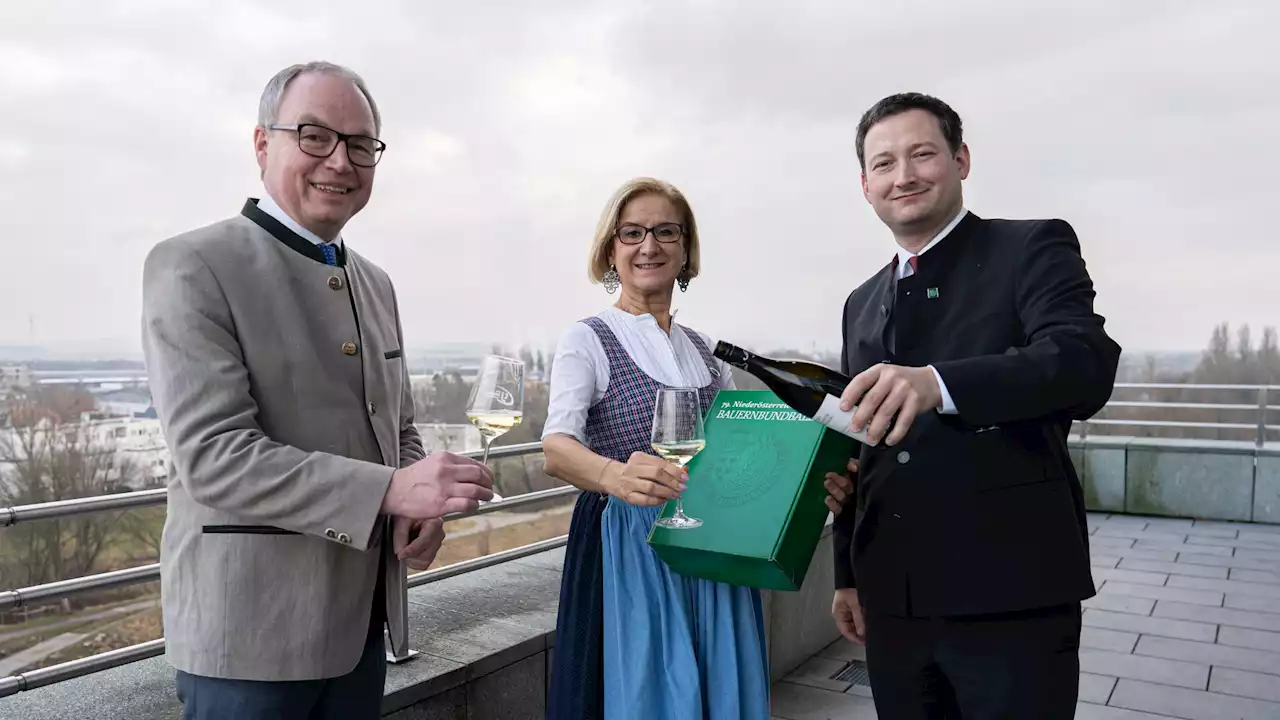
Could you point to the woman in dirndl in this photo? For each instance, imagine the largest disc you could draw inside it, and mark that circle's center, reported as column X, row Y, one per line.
column 633, row 638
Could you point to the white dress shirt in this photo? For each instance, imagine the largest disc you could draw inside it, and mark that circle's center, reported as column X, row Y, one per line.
column 269, row 206
column 580, row 368
column 905, row 270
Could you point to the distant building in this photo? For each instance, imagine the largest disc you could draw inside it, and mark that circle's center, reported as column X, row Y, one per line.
column 124, row 402
column 453, row 437
column 137, row 444
column 13, row 377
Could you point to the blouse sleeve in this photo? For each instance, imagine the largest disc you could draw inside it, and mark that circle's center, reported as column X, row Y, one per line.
column 578, row 381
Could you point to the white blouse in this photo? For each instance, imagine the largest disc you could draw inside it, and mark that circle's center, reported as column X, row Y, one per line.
column 580, row 368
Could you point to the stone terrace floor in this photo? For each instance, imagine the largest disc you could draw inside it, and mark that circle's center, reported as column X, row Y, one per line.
column 1186, row 624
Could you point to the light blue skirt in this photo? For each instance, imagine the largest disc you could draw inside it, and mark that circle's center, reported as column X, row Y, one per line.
column 675, row 647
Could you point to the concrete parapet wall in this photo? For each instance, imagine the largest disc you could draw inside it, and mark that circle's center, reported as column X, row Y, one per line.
column 1212, row 480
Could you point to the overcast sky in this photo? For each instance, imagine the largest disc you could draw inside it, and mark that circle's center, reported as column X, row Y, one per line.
column 1150, row 126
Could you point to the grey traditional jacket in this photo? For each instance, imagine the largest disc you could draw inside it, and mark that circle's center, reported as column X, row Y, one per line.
column 284, row 397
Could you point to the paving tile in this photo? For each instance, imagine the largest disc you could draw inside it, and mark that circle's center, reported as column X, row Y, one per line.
column 1251, row 638
column 1140, row 534
column 862, row 690
column 1252, row 543
column 1103, row 561
column 1260, row 538
column 1121, row 603
column 1201, row 531
column 1263, row 539
column 1256, row 603
column 1258, row 576
column 1220, row 655
column 1127, row 521
column 1096, row 688
column 1221, row 616
column 1144, row 554
column 1198, row 597
column 1228, row 562
column 1174, row 568
column 1089, row 711
column 1191, row 704
column 1253, row 554
column 1159, row 544
column 1110, row 541
column 1104, row 639
column 844, row 650
column 1157, row 522
column 1225, row 586
column 817, row 671
column 1164, row 627
column 1230, row 681
column 801, row 702
column 1267, row 530
column 1234, row 525
column 1130, row 576
column 1124, row 665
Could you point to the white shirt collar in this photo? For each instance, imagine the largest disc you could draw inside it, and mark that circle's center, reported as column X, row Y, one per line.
column 269, row 206
column 904, row 255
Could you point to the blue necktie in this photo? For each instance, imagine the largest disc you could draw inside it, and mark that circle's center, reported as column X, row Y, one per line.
column 330, row 255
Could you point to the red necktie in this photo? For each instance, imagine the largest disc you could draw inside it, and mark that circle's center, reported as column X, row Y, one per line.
column 912, row 262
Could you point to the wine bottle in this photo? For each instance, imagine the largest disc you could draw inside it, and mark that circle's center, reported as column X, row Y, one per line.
column 808, row 388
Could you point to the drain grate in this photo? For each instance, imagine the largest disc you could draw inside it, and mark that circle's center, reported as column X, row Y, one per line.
column 855, row 672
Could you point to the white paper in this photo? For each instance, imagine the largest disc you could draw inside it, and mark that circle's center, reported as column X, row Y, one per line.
column 832, row 416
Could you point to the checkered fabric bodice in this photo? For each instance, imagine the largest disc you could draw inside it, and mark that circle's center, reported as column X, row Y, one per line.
column 622, row 422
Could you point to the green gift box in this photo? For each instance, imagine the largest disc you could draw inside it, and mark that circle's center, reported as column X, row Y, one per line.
column 758, row 489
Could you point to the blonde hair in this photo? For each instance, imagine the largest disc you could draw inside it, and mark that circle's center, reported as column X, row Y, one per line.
column 598, row 261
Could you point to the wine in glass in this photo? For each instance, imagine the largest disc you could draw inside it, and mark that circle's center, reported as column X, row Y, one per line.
column 496, row 404
column 677, row 436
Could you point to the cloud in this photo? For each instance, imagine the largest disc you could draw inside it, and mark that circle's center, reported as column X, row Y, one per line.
column 1146, row 125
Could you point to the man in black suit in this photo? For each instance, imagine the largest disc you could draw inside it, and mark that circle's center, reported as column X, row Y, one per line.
column 965, row 555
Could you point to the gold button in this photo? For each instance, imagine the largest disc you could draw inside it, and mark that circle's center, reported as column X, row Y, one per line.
column 344, row 538
column 331, row 534
column 348, row 348
column 335, row 283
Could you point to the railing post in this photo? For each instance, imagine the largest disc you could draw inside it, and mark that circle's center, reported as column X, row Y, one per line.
column 1262, row 416
column 397, row 589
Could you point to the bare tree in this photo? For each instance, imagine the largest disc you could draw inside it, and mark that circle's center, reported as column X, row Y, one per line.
column 45, row 458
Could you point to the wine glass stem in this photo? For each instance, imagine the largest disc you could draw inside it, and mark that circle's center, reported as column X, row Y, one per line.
column 484, row 458
column 679, row 507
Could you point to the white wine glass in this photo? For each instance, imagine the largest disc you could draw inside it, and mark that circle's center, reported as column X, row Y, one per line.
column 496, row 404
column 677, row 436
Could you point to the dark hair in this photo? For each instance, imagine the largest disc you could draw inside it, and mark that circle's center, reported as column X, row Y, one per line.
column 948, row 119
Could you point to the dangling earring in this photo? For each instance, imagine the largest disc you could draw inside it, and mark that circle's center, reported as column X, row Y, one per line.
column 611, row 281
column 683, row 278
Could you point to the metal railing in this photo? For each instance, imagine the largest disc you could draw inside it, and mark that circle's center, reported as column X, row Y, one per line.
column 9, row 516
column 1260, row 429
column 147, row 573
column 154, row 648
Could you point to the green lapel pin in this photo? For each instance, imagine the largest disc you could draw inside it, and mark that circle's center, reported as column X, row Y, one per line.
column 932, row 293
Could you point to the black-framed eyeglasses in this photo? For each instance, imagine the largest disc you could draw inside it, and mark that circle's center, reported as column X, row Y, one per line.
column 320, row 141
column 632, row 234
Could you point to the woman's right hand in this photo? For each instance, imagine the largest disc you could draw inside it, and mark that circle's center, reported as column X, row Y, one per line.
column 646, row 480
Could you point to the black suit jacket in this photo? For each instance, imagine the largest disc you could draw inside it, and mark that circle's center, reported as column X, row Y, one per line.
column 981, row 511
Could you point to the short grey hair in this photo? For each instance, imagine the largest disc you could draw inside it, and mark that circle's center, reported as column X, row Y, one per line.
column 273, row 93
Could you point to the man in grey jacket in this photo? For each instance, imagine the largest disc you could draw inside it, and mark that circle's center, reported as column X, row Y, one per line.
column 299, row 487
